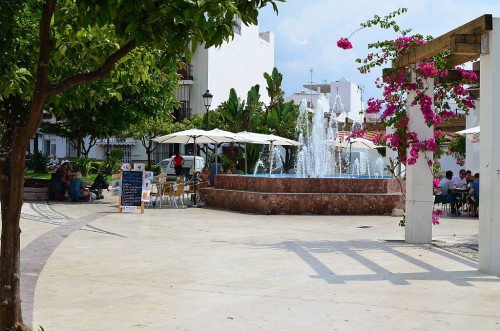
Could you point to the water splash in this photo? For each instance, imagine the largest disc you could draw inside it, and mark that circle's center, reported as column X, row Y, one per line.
column 316, row 156
column 380, row 166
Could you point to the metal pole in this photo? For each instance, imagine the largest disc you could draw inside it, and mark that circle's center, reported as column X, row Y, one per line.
column 246, row 158
column 206, row 145
column 193, row 178
column 107, row 150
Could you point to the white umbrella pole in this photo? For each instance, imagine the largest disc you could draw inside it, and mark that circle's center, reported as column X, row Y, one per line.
column 246, row 159
column 271, row 158
column 193, row 181
column 216, row 167
column 350, row 157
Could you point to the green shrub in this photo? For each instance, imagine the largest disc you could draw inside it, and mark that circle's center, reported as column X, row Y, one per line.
column 83, row 165
column 113, row 163
column 38, row 162
column 116, row 153
column 457, row 146
column 156, row 169
column 95, row 167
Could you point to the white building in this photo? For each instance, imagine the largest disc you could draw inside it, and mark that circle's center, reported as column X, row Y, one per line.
column 239, row 64
column 345, row 96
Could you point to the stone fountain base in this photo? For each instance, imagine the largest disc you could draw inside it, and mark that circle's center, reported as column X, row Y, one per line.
column 313, row 196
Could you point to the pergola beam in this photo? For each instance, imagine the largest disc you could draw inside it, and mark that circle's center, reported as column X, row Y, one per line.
column 457, row 41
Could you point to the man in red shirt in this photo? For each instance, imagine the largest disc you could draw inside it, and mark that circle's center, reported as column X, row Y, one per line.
column 178, row 162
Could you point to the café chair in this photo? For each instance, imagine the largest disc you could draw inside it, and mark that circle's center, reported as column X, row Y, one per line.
column 178, row 195
column 440, row 199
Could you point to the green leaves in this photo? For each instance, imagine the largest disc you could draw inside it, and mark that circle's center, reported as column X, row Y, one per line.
column 387, row 22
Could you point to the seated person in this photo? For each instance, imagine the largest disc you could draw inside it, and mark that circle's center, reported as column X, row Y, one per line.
column 473, row 197
column 448, row 190
column 195, row 177
column 233, row 170
column 205, row 174
column 469, row 178
column 53, row 163
column 66, row 171
column 100, row 183
column 460, row 181
column 58, row 188
column 76, row 191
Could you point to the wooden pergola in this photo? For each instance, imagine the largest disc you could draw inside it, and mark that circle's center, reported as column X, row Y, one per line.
column 465, row 44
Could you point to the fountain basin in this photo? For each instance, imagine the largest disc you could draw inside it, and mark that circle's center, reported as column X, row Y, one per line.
column 311, row 196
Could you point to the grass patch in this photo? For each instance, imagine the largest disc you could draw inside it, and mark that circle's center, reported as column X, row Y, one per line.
column 31, row 174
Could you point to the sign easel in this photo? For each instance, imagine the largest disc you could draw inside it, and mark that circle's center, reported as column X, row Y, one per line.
column 131, row 192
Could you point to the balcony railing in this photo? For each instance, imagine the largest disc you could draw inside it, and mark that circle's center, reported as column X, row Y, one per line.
column 182, row 113
column 186, row 72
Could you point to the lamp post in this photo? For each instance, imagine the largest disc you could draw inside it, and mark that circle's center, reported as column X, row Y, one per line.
column 107, row 150
column 207, row 101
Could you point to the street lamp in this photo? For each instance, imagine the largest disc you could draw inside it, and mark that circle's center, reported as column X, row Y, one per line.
column 207, row 100
column 107, row 150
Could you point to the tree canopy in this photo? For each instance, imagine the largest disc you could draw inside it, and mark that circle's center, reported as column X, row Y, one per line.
column 49, row 47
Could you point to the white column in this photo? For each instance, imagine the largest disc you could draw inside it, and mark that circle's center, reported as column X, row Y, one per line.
column 419, row 198
column 489, row 192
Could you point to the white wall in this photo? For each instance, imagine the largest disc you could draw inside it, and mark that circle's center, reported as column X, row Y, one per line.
column 449, row 162
column 298, row 97
column 472, row 149
column 200, row 79
column 240, row 64
column 350, row 95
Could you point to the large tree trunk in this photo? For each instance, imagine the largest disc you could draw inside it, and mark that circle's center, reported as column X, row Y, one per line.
column 148, row 166
column 11, row 197
column 79, row 148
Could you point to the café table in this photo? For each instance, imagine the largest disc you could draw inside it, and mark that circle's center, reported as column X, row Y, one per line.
column 462, row 191
column 157, row 192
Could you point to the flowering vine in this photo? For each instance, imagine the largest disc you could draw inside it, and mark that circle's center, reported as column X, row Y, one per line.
column 398, row 83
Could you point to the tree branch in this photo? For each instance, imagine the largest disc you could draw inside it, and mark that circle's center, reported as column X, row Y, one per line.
column 41, row 84
column 95, row 75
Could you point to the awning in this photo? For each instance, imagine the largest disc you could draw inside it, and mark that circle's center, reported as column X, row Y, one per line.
column 116, row 141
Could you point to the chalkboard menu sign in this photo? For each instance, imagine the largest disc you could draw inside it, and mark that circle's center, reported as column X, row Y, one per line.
column 131, row 188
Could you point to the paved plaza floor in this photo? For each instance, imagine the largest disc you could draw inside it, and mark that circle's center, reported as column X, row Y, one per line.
column 87, row 267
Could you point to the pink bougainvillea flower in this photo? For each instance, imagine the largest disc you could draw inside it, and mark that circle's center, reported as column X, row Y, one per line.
column 435, row 214
column 344, row 43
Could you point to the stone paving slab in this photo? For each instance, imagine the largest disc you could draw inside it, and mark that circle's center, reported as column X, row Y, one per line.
column 202, row 269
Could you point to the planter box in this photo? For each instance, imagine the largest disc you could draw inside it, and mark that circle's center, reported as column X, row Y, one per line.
column 36, row 189
column 36, row 194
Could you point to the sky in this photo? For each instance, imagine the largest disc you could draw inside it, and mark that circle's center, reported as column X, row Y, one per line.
column 306, row 34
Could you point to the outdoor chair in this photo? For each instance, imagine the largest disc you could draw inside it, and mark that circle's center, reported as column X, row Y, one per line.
column 178, row 195
column 442, row 200
column 167, row 193
column 202, row 185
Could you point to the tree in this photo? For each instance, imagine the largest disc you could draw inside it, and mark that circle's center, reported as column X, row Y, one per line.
column 234, row 113
column 150, row 128
column 273, row 88
column 280, row 117
column 125, row 100
column 281, row 121
column 49, row 47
